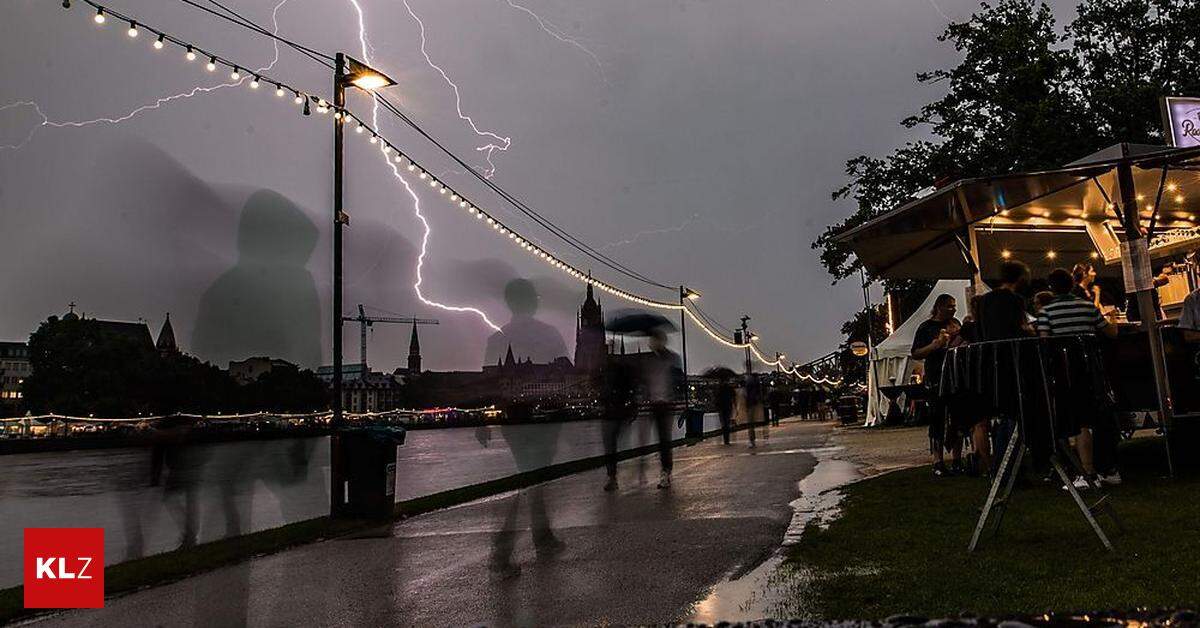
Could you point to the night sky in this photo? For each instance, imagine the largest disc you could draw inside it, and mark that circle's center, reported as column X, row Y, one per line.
column 697, row 142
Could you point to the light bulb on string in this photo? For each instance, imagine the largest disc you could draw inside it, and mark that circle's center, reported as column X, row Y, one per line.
column 279, row 90
column 235, row 74
column 212, row 64
column 99, row 17
column 359, row 129
column 412, row 166
column 133, row 31
column 254, row 83
column 298, row 99
column 433, row 183
column 398, row 158
column 191, row 54
column 337, row 115
column 374, row 138
column 158, row 43
column 424, row 175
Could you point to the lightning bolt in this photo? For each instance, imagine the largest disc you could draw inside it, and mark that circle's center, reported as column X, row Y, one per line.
column 497, row 142
column 47, row 122
column 366, row 48
column 638, row 235
column 555, row 32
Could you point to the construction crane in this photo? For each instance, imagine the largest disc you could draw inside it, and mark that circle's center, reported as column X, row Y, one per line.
column 365, row 321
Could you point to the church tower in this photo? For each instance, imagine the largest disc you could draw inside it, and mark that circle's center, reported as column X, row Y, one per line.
column 590, row 347
column 166, row 338
column 414, row 353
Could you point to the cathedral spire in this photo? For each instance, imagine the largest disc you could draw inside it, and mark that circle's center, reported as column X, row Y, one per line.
column 166, row 338
column 414, row 352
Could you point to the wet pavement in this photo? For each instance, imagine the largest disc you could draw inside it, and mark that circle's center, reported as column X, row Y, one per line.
column 577, row 555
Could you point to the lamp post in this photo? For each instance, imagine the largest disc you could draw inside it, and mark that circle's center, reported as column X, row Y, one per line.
column 685, row 294
column 348, row 72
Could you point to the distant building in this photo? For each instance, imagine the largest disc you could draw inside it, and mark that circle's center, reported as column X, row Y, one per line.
column 166, row 338
column 590, row 346
column 138, row 333
column 245, row 371
column 414, row 353
column 349, row 372
column 375, row 392
column 14, row 368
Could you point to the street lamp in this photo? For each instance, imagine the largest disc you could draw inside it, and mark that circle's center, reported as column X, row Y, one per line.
column 348, row 72
column 353, row 73
column 685, row 294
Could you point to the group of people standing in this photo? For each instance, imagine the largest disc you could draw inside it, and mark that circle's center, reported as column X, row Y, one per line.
column 1070, row 308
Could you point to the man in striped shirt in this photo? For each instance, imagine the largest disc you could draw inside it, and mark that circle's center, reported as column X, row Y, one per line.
column 1068, row 315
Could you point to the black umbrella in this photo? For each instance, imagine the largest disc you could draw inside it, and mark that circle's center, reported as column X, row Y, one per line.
column 720, row 372
column 637, row 322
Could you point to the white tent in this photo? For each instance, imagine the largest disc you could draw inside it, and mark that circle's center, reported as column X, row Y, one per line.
column 890, row 362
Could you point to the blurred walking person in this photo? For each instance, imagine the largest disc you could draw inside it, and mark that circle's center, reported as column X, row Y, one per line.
column 618, row 402
column 724, row 398
column 663, row 379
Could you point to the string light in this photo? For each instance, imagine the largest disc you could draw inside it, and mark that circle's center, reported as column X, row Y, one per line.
column 455, row 197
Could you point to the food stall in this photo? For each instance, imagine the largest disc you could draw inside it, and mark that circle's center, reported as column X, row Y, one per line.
column 1130, row 209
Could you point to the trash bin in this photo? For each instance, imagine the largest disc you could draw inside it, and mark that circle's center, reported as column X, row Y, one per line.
column 366, row 486
column 693, row 423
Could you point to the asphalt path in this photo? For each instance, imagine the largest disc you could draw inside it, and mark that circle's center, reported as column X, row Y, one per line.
column 632, row 556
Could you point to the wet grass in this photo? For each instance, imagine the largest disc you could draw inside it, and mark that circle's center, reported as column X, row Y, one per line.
column 900, row 546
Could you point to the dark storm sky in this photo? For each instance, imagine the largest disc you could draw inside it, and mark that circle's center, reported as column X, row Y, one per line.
column 701, row 150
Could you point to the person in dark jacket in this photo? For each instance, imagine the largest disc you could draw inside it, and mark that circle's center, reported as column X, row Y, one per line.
column 724, row 398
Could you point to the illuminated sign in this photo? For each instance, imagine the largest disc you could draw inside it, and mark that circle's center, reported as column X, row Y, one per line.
column 1181, row 119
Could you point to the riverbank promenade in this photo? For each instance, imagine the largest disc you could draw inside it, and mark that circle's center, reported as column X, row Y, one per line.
column 564, row 552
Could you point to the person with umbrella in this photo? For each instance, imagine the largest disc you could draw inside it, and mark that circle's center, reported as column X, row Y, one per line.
column 662, row 378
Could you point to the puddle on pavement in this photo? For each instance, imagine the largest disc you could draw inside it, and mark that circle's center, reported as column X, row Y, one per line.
column 772, row 589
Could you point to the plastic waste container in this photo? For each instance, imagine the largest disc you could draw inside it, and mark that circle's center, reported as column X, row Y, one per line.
column 693, row 421
column 366, row 486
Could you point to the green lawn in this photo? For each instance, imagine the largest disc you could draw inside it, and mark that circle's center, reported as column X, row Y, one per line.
column 900, row 547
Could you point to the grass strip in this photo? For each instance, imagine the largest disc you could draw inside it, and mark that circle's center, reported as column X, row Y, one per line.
column 900, row 547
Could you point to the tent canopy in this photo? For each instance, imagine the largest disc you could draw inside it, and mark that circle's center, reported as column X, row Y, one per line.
column 1046, row 218
column 899, row 344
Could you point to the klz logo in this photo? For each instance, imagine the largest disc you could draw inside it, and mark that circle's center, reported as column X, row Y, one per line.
column 64, row 567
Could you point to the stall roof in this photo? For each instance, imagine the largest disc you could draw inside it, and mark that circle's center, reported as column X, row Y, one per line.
column 1046, row 218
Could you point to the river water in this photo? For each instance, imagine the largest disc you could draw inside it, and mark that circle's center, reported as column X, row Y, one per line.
column 212, row 491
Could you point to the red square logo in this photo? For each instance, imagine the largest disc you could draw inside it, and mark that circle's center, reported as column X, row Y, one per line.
column 64, row 567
